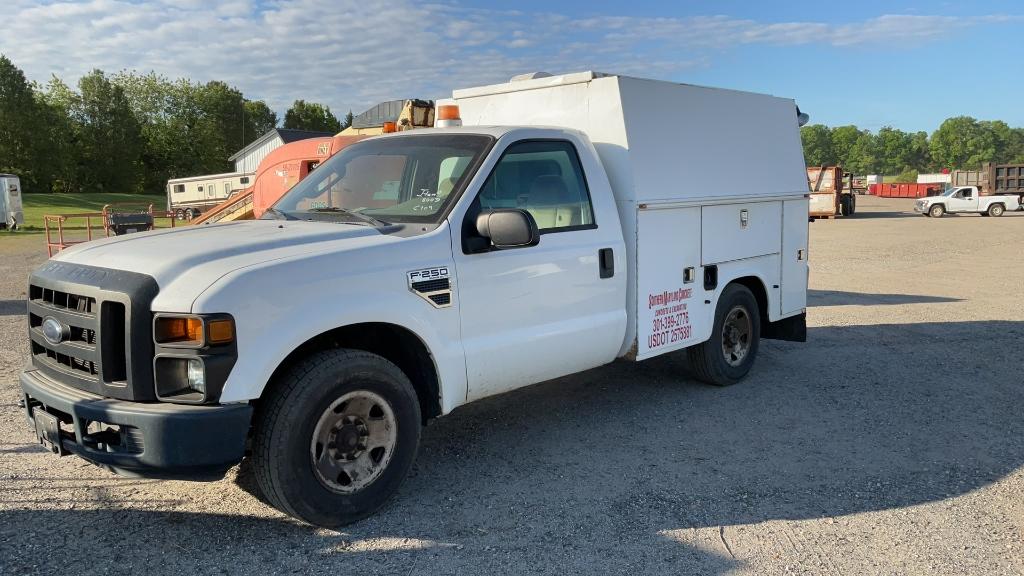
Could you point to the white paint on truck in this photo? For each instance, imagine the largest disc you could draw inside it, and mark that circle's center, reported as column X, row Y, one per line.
column 571, row 220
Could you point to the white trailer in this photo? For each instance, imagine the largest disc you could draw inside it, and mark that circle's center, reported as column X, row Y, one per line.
column 11, row 215
column 189, row 197
column 572, row 221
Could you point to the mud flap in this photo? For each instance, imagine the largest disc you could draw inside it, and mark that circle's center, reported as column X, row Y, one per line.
column 793, row 329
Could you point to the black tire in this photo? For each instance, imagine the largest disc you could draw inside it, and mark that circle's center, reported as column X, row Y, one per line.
column 282, row 457
column 937, row 211
column 996, row 210
column 844, row 205
column 853, row 204
column 190, row 214
column 708, row 359
column 179, row 214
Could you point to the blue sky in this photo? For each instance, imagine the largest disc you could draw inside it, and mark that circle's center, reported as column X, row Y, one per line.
column 870, row 63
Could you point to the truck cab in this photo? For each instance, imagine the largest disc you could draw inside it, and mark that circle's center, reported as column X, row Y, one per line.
column 414, row 272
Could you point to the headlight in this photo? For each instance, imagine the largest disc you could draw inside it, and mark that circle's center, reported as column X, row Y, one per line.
column 180, row 378
column 193, row 356
column 197, row 376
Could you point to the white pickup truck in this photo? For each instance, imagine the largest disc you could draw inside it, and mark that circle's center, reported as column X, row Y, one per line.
column 418, row 271
column 960, row 199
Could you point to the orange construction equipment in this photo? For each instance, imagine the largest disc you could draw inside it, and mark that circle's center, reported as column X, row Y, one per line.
column 277, row 173
column 286, row 165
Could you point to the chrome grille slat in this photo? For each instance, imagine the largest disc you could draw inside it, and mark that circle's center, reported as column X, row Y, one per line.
column 78, row 355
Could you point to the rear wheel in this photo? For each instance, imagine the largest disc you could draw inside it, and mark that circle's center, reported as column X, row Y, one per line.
column 336, row 437
column 844, row 205
column 179, row 214
column 729, row 354
column 936, row 211
column 853, row 204
column 191, row 213
column 996, row 210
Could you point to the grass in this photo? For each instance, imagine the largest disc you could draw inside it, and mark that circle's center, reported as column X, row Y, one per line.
column 36, row 206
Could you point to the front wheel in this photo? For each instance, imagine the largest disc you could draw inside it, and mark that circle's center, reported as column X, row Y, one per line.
column 936, row 211
column 728, row 355
column 336, row 437
column 996, row 210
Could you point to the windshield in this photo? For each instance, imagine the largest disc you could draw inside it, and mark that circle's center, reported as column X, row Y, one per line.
column 393, row 179
column 950, row 191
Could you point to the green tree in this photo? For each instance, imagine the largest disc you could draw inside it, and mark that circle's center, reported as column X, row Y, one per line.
column 895, row 150
column 920, row 157
column 863, row 157
column 25, row 138
column 817, row 141
column 855, row 149
column 962, row 142
column 843, row 140
column 109, row 137
column 259, row 119
column 311, row 116
column 347, row 122
column 1015, row 146
column 58, row 102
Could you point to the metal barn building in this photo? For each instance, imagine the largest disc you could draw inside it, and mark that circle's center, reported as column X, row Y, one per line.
column 248, row 159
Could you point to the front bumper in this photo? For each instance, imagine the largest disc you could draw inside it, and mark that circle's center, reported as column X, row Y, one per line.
column 920, row 208
column 156, row 440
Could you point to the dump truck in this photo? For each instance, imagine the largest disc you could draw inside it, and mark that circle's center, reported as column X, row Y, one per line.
column 993, row 180
column 572, row 221
column 831, row 192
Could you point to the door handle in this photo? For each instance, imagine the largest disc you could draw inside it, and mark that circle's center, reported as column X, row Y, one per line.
column 606, row 262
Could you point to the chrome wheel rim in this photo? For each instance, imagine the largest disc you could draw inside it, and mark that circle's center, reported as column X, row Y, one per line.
column 353, row 441
column 736, row 335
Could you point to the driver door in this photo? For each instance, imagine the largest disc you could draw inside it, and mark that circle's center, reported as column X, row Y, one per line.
column 534, row 313
column 961, row 201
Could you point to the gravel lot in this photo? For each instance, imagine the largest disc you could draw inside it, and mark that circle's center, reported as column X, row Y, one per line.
column 890, row 443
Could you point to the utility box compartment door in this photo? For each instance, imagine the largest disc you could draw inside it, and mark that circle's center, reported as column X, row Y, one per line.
column 737, row 231
column 794, row 256
column 669, row 305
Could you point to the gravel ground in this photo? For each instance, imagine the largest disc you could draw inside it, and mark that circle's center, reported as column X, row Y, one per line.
column 890, row 443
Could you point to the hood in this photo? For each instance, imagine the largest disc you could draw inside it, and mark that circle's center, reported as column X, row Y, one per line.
column 184, row 261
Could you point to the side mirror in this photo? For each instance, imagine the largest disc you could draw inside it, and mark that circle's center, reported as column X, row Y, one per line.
column 511, row 228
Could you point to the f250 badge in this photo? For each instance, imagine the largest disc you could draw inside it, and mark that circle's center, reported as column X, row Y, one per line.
column 432, row 284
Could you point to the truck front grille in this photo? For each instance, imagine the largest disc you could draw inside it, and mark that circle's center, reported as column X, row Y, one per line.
column 98, row 312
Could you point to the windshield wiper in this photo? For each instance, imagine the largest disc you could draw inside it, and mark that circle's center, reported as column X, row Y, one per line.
column 280, row 215
column 364, row 217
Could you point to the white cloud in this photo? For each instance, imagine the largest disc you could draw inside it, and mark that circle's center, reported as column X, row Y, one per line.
column 351, row 53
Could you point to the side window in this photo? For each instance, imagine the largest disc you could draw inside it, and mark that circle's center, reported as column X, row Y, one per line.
column 179, row 188
column 544, row 178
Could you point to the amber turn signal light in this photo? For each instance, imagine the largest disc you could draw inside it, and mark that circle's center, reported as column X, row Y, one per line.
column 183, row 330
column 220, row 331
